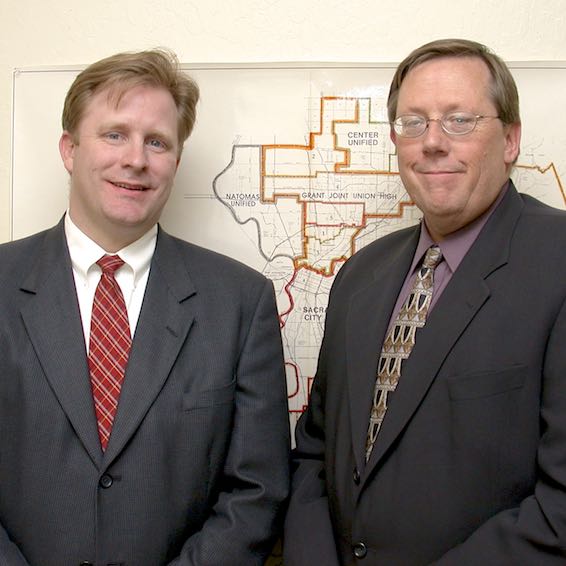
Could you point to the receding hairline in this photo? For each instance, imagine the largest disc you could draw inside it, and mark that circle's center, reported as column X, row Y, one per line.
column 502, row 88
column 471, row 58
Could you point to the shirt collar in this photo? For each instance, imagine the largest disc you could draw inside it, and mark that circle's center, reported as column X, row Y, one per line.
column 85, row 252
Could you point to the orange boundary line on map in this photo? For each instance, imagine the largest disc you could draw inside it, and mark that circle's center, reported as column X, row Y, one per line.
column 543, row 170
column 339, row 168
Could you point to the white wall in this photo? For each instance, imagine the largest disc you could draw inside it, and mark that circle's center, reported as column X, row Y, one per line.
column 62, row 32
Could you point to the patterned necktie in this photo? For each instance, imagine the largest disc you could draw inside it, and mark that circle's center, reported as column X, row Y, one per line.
column 110, row 344
column 400, row 340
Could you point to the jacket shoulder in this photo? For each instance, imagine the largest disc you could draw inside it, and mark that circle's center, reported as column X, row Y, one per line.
column 385, row 249
column 207, row 265
column 17, row 256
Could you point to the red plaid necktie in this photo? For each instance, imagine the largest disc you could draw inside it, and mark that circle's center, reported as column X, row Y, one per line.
column 110, row 344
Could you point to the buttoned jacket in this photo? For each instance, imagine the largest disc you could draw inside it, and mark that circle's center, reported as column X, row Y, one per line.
column 196, row 469
column 470, row 463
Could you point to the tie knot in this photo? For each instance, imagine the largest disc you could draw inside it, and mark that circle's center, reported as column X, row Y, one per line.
column 432, row 257
column 110, row 263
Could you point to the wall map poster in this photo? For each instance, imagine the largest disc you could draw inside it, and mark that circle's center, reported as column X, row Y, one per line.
column 290, row 169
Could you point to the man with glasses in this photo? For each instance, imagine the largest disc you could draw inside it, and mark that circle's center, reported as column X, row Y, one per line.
column 436, row 427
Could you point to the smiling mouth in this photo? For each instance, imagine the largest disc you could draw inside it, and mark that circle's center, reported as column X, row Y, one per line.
column 129, row 187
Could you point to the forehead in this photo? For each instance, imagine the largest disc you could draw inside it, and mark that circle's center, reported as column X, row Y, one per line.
column 137, row 101
column 446, row 83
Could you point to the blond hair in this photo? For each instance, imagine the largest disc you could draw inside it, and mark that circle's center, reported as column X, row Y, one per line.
column 123, row 71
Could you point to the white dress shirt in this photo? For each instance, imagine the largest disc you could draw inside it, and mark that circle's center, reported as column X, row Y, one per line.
column 132, row 276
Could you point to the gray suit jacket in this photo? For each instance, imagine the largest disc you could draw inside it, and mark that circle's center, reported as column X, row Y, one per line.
column 196, row 470
column 470, row 464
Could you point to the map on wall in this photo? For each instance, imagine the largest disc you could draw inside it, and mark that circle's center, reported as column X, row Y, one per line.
column 290, row 169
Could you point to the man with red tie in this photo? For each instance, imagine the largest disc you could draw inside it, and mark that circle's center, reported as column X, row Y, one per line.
column 143, row 415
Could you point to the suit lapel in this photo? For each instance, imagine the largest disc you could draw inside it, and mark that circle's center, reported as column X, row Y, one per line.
column 464, row 296
column 164, row 323
column 368, row 316
column 53, row 323
column 456, row 308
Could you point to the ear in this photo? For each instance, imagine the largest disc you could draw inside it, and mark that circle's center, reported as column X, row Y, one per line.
column 393, row 136
column 67, row 150
column 512, row 143
column 179, row 155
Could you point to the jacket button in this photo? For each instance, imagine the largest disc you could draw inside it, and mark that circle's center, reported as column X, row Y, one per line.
column 356, row 476
column 360, row 550
column 106, row 481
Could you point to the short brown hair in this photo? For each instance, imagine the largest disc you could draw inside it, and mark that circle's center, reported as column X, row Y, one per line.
column 503, row 89
column 123, row 71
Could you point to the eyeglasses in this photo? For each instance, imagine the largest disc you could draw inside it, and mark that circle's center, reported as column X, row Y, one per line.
column 454, row 123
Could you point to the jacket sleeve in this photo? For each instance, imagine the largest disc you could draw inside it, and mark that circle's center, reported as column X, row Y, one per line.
column 10, row 554
column 308, row 536
column 246, row 519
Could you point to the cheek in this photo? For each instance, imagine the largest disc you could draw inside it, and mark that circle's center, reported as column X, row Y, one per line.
column 163, row 164
column 167, row 172
column 407, row 160
column 97, row 162
column 487, row 162
column 405, row 153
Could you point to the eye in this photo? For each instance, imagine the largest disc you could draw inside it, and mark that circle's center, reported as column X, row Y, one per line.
column 113, row 136
column 412, row 121
column 460, row 119
column 157, row 144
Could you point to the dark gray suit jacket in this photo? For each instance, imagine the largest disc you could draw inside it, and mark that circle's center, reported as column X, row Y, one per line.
column 196, row 470
column 470, row 464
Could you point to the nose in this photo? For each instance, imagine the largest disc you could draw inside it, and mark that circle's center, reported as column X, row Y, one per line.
column 134, row 154
column 435, row 138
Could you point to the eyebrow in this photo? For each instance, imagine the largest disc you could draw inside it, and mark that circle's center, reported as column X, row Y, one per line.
column 416, row 109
